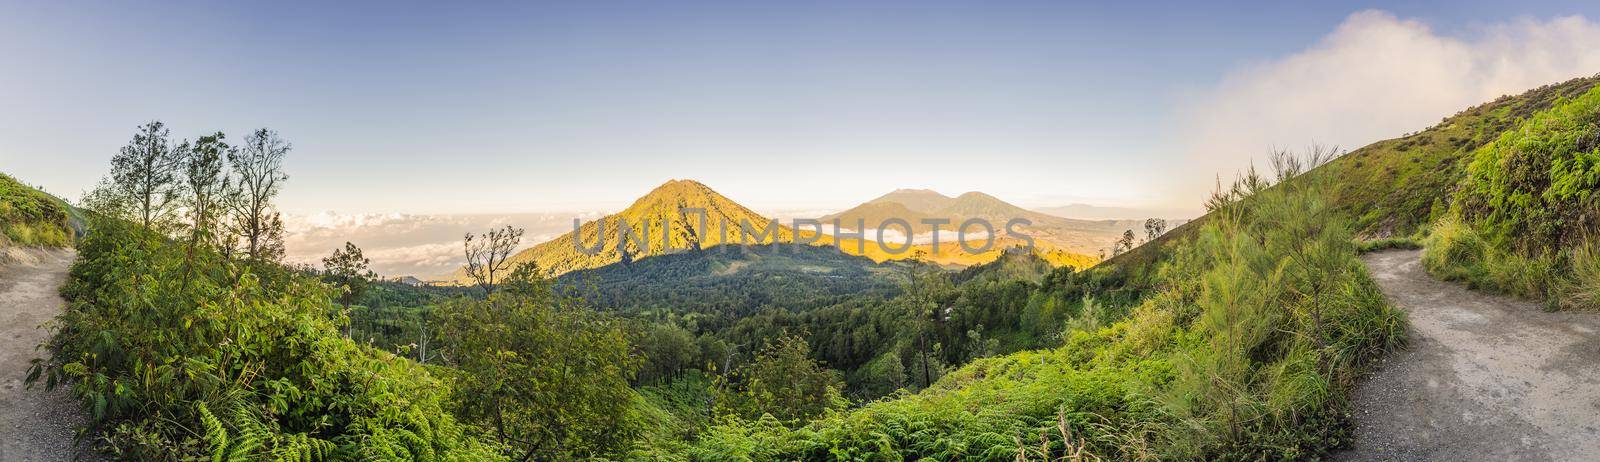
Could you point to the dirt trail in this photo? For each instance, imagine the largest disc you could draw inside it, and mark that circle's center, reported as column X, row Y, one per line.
column 1486, row 377
column 35, row 425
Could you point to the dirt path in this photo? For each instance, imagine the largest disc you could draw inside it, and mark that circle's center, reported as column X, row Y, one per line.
column 34, row 425
column 1486, row 377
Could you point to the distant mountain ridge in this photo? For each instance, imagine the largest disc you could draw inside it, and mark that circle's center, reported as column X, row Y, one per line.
column 658, row 224
column 1086, row 237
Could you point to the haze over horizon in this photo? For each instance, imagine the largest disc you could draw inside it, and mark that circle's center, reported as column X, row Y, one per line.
column 428, row 112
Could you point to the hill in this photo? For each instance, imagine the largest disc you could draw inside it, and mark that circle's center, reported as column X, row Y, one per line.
column 1051, row 233
column 29, row 217
column 657, row 225
column 1397, row 187
column 735, row 280
column 658, row 217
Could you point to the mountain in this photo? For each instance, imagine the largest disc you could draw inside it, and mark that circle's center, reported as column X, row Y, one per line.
column 1050, row 233
column 660, row 212
column 671, row 231
column 1096, row 212
column 919, row 200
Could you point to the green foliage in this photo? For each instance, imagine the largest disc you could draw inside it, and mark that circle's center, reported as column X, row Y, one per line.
column 544, row 373
column 785, row 383
column 1397, row 187
column 29, row 217
column 1523, row 221
column 1245, row 350
column 1388, row 243
column 151, row 355
column 1533, row 189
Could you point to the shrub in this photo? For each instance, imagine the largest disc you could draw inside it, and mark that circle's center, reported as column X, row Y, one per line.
column 1259, row 327
column 1388, row 243
column 1582, row 289
column 182, row 358
column 32, row 218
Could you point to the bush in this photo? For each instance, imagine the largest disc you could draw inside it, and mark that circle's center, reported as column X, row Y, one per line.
column 1260, row 326
column 182, row 357
column 31, row 218
column 1388, row 243
column 1582, row 289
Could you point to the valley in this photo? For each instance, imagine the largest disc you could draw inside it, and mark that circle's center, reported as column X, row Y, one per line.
column 830, row 231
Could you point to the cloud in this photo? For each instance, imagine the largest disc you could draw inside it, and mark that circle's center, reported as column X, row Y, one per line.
column 1374, row 77
column 427, row 246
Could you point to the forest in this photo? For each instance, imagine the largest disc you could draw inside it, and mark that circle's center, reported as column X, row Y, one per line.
column 187, row 337
column 1238, row 336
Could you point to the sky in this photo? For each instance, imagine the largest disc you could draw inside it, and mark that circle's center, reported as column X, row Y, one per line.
column 413, row 109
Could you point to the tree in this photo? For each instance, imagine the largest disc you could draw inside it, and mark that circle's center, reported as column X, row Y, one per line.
column 487, row 254
column 258, row 177
column 785, row 382
column 1126, row 242
column 204, row 183
column 143, row 185
column 204, row 186
column 347, row 269
column 546, row 374
column 1153, row 228
column 925, row 289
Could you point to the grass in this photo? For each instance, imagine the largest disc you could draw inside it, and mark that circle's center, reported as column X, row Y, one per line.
column 1567, row 279
column 1259, row 325
column 1388, row 243
column 31, row 218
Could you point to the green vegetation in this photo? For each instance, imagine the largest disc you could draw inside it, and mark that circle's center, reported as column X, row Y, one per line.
column 1234, row 337
column 1388, row 243
column 1525, row 219
column 32, row 218
column 1246, row 348
column 1398, row 187
column 547, row 374
column 180, row 356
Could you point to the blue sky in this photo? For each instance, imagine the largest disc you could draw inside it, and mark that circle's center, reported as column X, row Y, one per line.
column 517, row 107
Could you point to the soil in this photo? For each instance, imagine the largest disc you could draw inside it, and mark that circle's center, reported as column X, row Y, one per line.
column 1485, row 377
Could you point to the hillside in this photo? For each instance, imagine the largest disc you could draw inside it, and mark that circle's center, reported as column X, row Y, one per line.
column 1396, row 187
column 29, row 217
column 661, row 210
column 735, row 280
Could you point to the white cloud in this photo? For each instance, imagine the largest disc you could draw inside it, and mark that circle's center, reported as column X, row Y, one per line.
column 427, row 246
column 1374, row 77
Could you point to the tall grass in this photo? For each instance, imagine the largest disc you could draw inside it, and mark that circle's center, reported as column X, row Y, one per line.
column 1570, row 279
column 31, row 218
column 1581, row 290
column 1247, row 351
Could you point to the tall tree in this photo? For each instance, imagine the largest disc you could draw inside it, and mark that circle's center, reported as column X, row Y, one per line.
column 487, row 254
column 926, row 291
column 546, row 375
column 1153, row 228
column 143, row 185
column 1126, row 243
column 348, row 269
column 205, row 183
column 786, row 382
column 258, row 176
